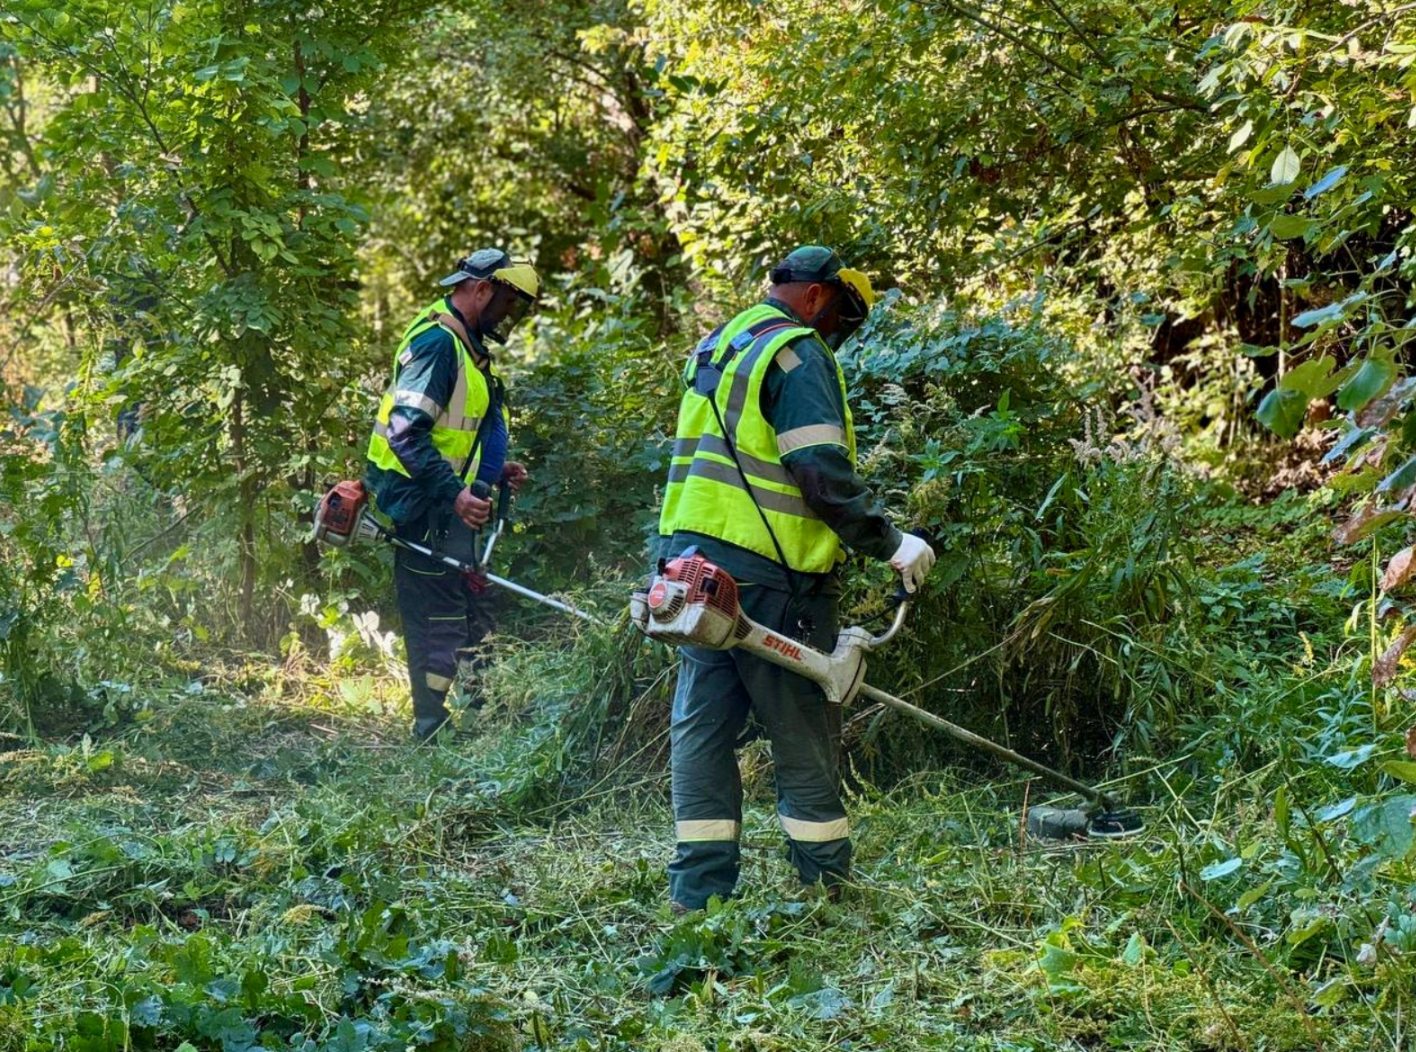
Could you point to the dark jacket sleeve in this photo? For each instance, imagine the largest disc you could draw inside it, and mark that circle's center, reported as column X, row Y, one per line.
column 802, row 400
column 495, row 441
column 423, row 385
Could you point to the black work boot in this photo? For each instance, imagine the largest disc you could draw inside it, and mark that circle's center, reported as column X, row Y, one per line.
column 429, row 711
column 471, row 666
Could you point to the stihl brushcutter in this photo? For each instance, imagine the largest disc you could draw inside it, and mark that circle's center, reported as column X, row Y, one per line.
column 692, row 602
column 344, row 517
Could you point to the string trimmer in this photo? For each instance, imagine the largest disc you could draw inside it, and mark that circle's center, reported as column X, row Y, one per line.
column 692, row 602
column 344, row 517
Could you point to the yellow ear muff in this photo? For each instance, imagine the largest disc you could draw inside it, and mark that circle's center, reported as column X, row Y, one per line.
column 522, row 277
column 860, row 283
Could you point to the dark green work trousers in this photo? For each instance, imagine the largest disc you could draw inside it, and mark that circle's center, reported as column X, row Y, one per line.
column 717, row 692
column 443, row 618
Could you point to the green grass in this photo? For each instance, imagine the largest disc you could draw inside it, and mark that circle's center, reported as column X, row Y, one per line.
column 284, row 871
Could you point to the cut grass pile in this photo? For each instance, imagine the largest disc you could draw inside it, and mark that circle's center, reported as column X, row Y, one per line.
column 288, row 874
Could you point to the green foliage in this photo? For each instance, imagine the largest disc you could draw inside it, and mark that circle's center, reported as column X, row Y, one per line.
column 1121, row 235
column 594, row 409
column 725, row 940
column 1065, row 559
column 321, row 895
column 217, row 273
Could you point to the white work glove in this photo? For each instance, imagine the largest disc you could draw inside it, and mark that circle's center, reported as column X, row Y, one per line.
column 913, row 559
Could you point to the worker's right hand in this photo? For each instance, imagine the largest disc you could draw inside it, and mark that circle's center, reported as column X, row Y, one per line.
column 913, row 559
column 474, row 511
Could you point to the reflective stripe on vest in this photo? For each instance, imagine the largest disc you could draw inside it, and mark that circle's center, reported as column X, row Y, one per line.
column 455, row 425
column 706, row 493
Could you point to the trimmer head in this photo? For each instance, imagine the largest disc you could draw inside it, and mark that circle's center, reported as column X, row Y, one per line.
column 1115, row 825
column 1075, row 823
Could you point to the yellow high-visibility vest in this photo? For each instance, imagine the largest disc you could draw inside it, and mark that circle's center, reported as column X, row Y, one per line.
column 706, row 493
column 455, row 425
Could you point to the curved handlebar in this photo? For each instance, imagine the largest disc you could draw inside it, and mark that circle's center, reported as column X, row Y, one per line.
column 884, row 637
column 902, row 598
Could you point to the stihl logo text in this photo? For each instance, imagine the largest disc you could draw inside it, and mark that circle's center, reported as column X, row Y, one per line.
column 781, row 646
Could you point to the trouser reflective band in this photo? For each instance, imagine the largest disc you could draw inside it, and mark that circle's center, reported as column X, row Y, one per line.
column 815, row 832
column 702, row 829
column 437, row 682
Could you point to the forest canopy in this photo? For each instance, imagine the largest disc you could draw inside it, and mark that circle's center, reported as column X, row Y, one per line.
column 1139, row 371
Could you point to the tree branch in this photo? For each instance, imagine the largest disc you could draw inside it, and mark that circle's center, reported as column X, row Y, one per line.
column 126, row 90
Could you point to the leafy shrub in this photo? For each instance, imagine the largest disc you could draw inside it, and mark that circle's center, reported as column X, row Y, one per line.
column 1066, row 559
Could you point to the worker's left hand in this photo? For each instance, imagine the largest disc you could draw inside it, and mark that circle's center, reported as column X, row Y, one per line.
column 913, row 560
column 514, row 474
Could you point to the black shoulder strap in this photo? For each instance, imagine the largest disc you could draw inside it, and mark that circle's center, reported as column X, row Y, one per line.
column 709, row 370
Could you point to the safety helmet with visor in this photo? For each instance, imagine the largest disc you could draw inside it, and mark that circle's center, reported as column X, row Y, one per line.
column 515, row 287
column 821, row 265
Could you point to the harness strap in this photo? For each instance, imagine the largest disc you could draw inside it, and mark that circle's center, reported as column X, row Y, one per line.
column 450, row 322
column 708, row 372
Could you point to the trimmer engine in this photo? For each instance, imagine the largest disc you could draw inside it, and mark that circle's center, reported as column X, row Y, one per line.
column 692, row 602
column 343, row 515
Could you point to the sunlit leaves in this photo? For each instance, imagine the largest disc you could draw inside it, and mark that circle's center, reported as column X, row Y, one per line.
column 1333, row 312
column 1326, row 183
column 1219, row 870
column 1401, row 479
column 1374, row 376
column 1286, row 166
column 1241, row 135
column 1347, row 759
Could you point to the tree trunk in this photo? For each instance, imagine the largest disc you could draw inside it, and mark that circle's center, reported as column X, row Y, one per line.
column 309, row 550
column 246, row 496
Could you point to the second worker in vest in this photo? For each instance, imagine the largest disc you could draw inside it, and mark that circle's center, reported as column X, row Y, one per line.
column 442, row 426
column 763, row 482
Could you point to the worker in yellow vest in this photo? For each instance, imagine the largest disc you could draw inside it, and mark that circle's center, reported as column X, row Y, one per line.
column 763, row 482
column 441, row 427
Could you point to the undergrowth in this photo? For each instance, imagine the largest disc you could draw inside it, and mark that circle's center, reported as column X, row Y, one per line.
column 278, row 868
column 216, row 849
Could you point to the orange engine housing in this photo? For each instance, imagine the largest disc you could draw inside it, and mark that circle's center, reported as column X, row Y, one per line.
column 705, row 583
column 337, row 518
column 693, row 603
